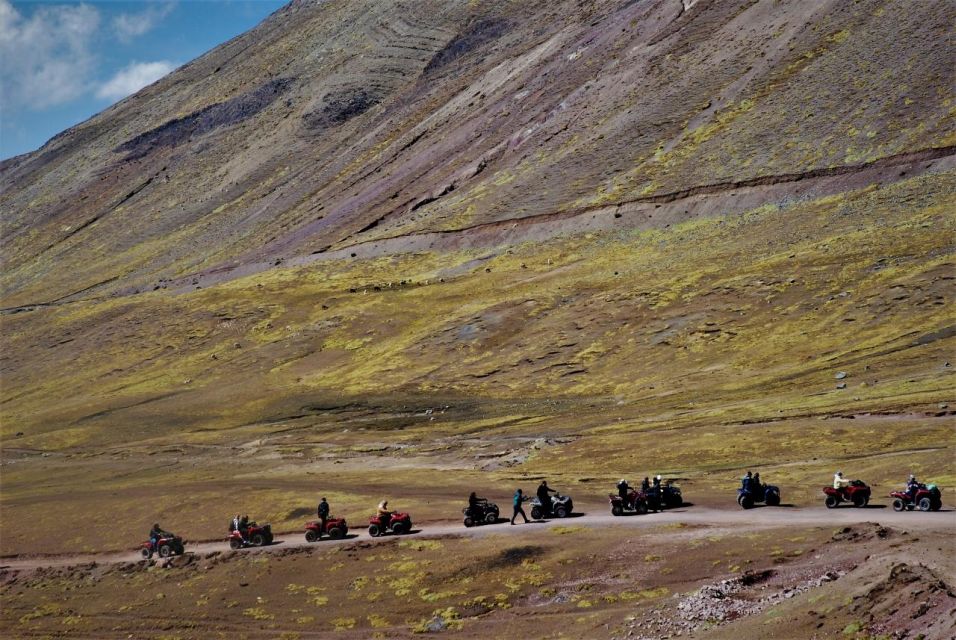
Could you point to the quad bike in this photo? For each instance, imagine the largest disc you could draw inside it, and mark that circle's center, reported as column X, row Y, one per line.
column 484, row 512
column 167, row 545
column 398, row 523
column 636, row 503
column 561, row 507
column 928, row 498
column 857, row 492
column 335, row 528
column 256, row 536
column 766, row 493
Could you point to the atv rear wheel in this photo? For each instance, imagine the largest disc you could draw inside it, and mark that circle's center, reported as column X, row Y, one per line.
column 536, row 513
column 469, row 522
column 898, row 505
column 235, row 544
column 335, row 533
column 311, row 535
column 616, row 510
column 165, row 551
column 147, row 554
column 925, row 504
column 747, row 502
column 831, row 501
column 374, row 531
column 561, row 512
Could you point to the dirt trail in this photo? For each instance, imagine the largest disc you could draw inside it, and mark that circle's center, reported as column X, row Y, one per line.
column 757, row 518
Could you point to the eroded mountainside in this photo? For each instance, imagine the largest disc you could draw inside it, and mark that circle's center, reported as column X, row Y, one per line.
column 336, row 123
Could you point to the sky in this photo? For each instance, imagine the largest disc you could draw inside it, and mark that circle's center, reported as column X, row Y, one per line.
column 62, row 62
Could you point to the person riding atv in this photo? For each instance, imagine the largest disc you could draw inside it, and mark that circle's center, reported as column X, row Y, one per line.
column 544, row 498
column 623, row 490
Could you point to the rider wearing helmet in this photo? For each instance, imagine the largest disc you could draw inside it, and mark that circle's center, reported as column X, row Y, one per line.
column 155, row 534
column 544, row 498
column 839, row 482
column 384, row 515
column 912, row 487
column 323, row 512
column 622, row 490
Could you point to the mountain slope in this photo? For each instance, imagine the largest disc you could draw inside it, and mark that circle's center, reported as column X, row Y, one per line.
column 334, row 123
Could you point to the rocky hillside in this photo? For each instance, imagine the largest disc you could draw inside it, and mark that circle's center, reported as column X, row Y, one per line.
column 336, row 124
column 657, row 210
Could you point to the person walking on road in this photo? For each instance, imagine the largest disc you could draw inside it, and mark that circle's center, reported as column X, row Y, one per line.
column 518, row 499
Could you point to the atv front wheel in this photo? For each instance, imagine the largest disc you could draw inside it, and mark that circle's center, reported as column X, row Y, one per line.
column 746, row 502
column 258, row 540
column 773, row 500
column 398, row 528
column 925, row 504
column 491, row 518
column 859, row 501
column 469, row 522
column 165, row 551
column 561, row 512
column 335, row 533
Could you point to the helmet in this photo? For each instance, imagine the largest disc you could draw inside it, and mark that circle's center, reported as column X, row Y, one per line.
column 622, row 481
column 657, row 477
column 839, row 473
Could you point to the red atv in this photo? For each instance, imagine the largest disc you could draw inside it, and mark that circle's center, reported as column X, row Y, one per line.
column 167, row 545
column 335, row 528
column 256, row 536
column 398, row 523
column 928, row 498
column 636, row 503
column 857, row 492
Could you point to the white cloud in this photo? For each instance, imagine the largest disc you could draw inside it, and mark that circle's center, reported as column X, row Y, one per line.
column 132, row 78
column 132, row 25
column 46, row 59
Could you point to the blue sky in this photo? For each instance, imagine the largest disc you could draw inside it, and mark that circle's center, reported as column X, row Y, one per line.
column 62, row 62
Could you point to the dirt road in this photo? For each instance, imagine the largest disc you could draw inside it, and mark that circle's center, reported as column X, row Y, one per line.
column 757, row 518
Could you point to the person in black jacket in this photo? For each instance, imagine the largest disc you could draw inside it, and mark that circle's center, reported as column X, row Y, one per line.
column 622, row 491
column 544, row 498
column 323, row 513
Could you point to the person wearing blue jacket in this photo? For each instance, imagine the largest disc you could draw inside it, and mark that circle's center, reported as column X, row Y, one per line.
column 516, row 502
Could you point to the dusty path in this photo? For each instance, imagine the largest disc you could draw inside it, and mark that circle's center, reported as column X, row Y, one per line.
column 757, row 518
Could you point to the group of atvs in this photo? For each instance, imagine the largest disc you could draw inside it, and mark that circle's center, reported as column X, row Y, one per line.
column 925, row 497
column 656, row 497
